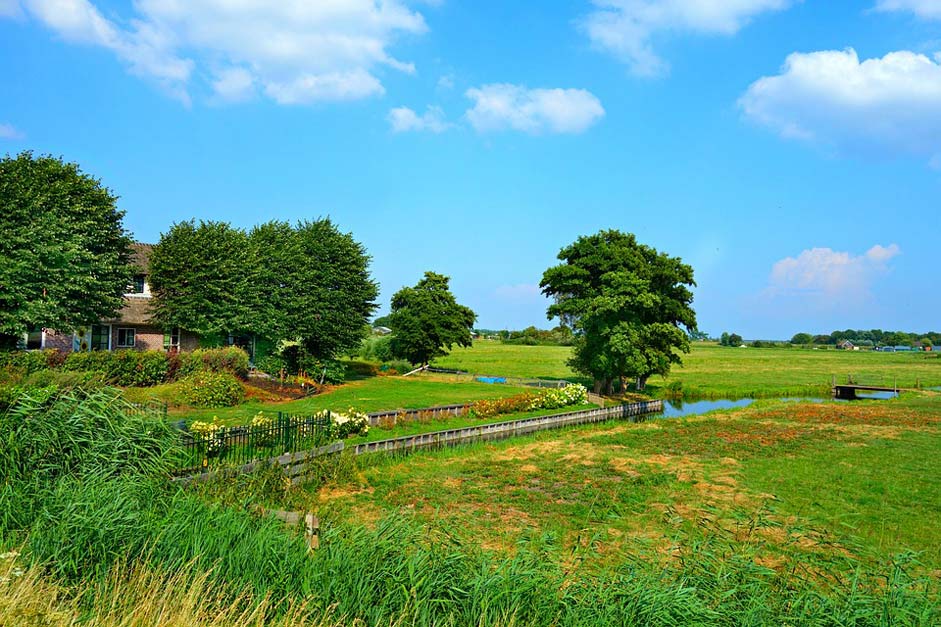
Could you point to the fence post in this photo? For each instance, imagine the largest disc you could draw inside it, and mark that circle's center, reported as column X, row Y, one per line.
column 312, row 528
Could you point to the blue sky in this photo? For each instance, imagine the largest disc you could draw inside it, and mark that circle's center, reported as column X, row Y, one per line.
column 790, row 151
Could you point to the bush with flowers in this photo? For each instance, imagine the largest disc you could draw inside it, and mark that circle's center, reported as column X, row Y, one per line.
column 574, row 394
column 209, row 435
column 531, row 401
column 350, row 423
column 261, row 428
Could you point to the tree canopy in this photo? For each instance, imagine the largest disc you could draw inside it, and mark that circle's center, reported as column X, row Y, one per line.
column 627, row 303
column 308, row 283
column 426, row 320
column 64, row 252
column 199, row 277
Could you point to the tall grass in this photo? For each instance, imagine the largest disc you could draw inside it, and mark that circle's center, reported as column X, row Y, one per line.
column 109, row 541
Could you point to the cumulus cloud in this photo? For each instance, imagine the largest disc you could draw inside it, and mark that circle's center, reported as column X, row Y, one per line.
column 234, row 84
column 888, row 105
column 8, row 131
column 927, row 9
column 624, row 28
column 403, row 119
column 826, row 276
column 295, row 52
column 502, row 106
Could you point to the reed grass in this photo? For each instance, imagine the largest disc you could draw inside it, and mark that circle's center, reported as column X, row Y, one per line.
column 107, row 540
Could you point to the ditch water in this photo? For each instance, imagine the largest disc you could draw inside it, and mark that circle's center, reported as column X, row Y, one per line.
column 678, row 409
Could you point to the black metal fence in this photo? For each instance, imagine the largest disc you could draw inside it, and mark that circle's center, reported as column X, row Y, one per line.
column 286, row 433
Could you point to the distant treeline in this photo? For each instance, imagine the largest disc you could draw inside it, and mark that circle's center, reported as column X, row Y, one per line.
column 872, row 337
column 862, row 338
column 531, row 336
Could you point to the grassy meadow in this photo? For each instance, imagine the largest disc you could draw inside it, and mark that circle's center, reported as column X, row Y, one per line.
column 795, row 513
column 790, row 483
column 712, row 371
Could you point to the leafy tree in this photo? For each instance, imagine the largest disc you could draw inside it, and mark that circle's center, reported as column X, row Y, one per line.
column 695, row 335
column 63, row 249
column 735, row 340
column 426, row 320
column 626, row 303
column 199, row 279
column 381, row 321
column 724, row 339
column 802, row 338
column 307, row 283
column 327, row 293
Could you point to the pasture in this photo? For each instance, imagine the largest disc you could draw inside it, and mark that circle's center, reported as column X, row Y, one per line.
column 791, row 484
column 711, row 371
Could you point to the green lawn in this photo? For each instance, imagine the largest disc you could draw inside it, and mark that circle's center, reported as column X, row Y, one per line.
column 788, row 482
column 493, row 358
column 371, row 394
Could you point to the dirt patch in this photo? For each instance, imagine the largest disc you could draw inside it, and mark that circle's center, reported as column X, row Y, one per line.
column 332, row 493
column 529, row 451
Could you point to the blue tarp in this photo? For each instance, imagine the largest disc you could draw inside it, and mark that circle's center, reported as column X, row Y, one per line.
column 492, row 379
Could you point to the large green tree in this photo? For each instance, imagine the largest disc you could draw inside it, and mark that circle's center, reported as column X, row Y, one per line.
column 629, row 305
column 308, row 283
column 313, row 285
column 63, row 249
column 426, row 320
column 199, row 275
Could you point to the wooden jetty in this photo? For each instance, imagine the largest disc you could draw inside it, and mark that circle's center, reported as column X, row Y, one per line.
column 849, row 392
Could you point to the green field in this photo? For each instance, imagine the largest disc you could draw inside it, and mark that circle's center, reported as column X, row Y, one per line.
column 712, row 371
column 787, row 482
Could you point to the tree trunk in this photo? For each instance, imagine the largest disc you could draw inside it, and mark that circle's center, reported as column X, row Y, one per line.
column 642, row 382
column 597, row 386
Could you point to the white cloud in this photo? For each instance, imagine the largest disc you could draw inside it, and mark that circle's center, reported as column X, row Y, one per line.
column 927, row 9
column 624, row 28
column 823, row 276
column 295, row 51
column 503, row 106
column 403, row 119
column 887, row 105
column 234, row 84
column 8, row 131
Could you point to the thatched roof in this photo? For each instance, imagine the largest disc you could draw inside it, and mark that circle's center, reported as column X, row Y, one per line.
column 140, row 256
column 136, row 310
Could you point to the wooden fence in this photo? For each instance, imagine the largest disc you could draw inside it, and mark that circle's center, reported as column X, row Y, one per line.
column 394, row 415
column 295, row 465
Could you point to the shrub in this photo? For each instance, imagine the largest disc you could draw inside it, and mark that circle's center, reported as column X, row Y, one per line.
column 574, row 394
column 28, row 362
column 212, row 389
column 124, row 367
column 529, row 401
column 348, row 424
column 271, row 364
column 508, row 405
column 232, row 360
column 399, row 366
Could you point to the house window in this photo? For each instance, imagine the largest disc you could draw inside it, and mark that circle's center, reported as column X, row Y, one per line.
column 137, row 285
column 171, row 339
column 100, row 337
column 34, row 339
column 126, row 338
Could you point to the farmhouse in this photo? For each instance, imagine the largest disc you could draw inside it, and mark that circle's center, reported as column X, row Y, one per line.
column 130, row 329
column 846, row 345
